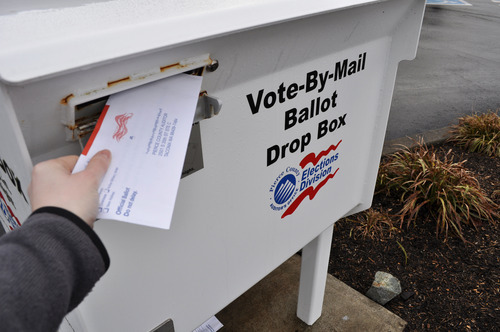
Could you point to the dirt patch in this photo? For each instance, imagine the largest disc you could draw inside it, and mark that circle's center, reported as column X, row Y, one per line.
column 448, row 286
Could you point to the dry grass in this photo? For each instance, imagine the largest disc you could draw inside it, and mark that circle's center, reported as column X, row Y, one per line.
column 373, row 224
column 449, row 194
column 478, row 133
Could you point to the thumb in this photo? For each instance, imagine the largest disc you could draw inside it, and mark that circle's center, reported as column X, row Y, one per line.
column 99, row 164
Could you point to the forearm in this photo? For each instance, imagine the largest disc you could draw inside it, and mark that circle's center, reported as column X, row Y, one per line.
column 47, row 268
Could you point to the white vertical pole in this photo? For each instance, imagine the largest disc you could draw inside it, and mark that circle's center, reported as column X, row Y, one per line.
column 313, row 272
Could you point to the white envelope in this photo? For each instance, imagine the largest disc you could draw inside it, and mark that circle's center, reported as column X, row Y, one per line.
column 147, row 130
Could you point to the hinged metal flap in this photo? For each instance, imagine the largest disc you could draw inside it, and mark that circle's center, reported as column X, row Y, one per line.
column 207, row 107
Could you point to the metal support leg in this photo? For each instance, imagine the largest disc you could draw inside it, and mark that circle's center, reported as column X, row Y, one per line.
column 313, row 272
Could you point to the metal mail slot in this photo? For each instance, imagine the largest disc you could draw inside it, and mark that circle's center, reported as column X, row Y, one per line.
column 80, row 110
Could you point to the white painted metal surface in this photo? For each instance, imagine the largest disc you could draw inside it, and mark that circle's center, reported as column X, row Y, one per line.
column 43, row 42
column 257, row 200
column 15, row 168
column 313, row 273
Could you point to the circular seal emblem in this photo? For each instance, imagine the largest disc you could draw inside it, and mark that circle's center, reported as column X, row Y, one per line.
column 284, row 189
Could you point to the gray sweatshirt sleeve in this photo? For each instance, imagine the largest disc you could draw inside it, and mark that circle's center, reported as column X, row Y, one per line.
column 47, row 267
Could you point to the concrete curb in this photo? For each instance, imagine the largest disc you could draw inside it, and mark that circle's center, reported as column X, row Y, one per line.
column 429, row 137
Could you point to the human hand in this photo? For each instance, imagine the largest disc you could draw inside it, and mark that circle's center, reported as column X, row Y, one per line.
column 52, row 184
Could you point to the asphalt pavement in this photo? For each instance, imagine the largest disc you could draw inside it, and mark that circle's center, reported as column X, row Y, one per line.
column 456, row 71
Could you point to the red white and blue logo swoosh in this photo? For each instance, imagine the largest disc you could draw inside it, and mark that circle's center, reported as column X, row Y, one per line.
column 121, row 129
column 295, row 184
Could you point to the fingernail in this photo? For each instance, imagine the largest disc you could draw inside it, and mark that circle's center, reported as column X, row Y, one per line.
column 105, row 153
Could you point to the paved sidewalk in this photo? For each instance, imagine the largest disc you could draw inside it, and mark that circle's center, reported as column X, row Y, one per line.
column 271, row 305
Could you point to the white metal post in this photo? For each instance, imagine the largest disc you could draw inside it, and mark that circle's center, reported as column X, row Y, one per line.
column 313, row 272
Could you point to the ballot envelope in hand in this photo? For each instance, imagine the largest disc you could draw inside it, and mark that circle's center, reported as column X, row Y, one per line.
column 147, row 131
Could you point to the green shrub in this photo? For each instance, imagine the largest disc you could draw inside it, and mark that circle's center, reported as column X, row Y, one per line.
column 450, row 194
column 478, row 133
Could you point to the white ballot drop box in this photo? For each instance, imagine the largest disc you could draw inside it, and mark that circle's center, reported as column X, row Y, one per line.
column 286, row 139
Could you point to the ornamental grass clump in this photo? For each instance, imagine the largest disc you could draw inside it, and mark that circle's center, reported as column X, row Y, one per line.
column 373, row 224
column 478, row 133
column 439, row 188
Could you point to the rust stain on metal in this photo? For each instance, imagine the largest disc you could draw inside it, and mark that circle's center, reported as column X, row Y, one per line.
column 84, row 133
column 85, row 125
column 121, row 80
column 65, row 100
column 178, row 65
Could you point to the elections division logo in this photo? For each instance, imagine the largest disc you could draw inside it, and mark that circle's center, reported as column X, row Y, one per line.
column 121, row 129
column 295, row 184
column 284, row 189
